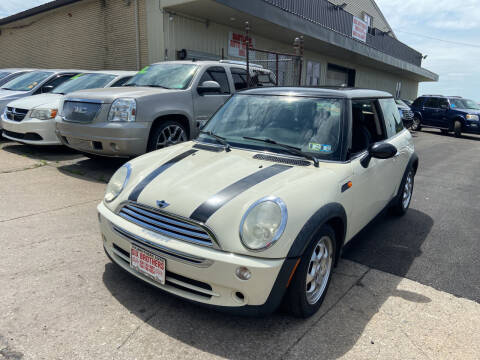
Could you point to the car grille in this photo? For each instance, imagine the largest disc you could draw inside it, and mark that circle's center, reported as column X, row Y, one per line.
column 177, row 281
column 78, row 111
column 167, row 224
column 16, row 114
column 407, row 115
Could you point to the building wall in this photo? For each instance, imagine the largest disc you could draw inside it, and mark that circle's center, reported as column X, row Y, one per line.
column 185, row 32
column 357, row 7
column 91, row 34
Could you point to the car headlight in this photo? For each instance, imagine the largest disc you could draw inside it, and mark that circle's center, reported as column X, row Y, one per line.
column 123, row 110
column 263, row 223
column 43, row 114
column 472, row 117
column 118, row 182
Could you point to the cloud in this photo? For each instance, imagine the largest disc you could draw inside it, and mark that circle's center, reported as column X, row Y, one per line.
column 423, row 24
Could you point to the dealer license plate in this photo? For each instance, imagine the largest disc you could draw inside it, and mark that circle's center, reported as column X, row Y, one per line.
column 147, row 264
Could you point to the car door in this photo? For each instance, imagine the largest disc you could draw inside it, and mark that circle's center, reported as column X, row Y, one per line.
column 371, row 185
column 441, row 119
column 429, row 108
column 205, row 105
column 398, row 137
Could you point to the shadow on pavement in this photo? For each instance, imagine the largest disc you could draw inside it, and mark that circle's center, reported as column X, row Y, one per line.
column 450, row 135
column 46, row 153
column 100, row 170
column 388, row 243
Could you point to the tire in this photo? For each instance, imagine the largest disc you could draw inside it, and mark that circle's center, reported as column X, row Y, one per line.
column 444, row 132
column 457, row 128
column 416, row 124
column 304, row 295
column 166, row 134
column 405, row 193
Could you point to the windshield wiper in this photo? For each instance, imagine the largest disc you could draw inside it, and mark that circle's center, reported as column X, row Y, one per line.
column 219, row 139
column 157, row 86
column 130, row 85
column 291, row 149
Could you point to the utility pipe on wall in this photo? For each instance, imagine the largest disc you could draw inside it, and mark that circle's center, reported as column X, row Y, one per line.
column 137, row 34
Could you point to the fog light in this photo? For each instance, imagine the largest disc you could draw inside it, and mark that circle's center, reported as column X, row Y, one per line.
column 243, row 273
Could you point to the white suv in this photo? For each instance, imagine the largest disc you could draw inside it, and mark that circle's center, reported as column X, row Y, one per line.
column 258, row 208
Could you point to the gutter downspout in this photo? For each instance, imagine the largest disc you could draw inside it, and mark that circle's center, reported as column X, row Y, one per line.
column 137, row 34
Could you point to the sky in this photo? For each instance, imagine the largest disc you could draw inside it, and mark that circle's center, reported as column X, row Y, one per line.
column 447, row 31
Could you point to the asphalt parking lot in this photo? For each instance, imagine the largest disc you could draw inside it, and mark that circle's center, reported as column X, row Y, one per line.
column 406, row 288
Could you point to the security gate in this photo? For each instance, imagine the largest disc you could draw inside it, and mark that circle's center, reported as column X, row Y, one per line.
column 286, row 67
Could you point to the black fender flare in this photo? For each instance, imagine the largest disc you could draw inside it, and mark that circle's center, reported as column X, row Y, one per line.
column 323, row 215
column 418, row 114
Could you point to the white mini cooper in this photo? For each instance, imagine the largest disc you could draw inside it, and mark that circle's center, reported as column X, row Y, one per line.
column 257, row 209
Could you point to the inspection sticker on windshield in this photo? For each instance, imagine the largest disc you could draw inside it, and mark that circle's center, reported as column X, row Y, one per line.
column 144, row 70
column 320, row 147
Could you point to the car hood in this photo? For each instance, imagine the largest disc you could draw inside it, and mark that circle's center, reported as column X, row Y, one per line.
column 50, row 101
column 108, row 95
column 469, row 111
column 9, row 94
column 216, row 188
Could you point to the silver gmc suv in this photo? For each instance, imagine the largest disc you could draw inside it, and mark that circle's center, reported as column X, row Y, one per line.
column 164, row 104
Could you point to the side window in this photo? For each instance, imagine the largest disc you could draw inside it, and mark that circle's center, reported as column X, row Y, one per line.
column 432, row 103
column 393, row 120
column 121, row 81
column 443, row 103
column 366, row 125
column 418, row 102
column 239, row 78
column 219, row 75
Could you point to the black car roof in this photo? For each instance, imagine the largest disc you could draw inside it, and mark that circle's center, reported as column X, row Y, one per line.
column 333, row 92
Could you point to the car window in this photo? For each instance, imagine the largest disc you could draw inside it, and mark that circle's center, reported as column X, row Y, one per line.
column 57, row 80
column 239, row 78
column 28, row 81
column 311, row 124
column 218, row 74
column 83, row 82
column 418, row 102
column 366, row 126
column 121, row 81
column 432, row 103
column 4, row 74
column 443, row 103
column 391, row 116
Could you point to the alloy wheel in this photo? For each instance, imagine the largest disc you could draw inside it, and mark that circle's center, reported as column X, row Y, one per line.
column 319, row 269
column 407, row 190
column 170, row 135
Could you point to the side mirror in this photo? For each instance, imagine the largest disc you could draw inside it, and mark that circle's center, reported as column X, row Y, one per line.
column 209, row 87
column 380, row 150
column 47, row 89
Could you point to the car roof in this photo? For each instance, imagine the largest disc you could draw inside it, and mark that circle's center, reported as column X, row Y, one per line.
column 14, row 70
column 335, row 92
column 113, row 72
column 230, row 63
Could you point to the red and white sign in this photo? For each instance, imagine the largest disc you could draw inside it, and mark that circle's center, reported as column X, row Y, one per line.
column 359, row 29
column 148, row 264
column 237, row 45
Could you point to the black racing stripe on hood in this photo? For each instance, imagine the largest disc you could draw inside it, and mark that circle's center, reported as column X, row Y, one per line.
column 209, row 207
column 139, row 188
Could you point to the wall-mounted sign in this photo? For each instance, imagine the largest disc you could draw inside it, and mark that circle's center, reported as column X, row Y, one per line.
column 359, row 29
column 237, row 45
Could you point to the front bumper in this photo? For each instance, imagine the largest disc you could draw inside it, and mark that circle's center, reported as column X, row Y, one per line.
column 105, row 138
column 472, row 127
column 200, row 274
column 30, row 131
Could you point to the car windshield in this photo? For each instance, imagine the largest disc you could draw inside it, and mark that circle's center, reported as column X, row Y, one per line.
column 169, row 76
column 4, row 74
column 312, row 125
column 83, row 82
column 464, row 104
column 28, row 81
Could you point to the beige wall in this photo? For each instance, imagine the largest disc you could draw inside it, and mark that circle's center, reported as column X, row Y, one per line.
column 91, row 34
column 184, row 32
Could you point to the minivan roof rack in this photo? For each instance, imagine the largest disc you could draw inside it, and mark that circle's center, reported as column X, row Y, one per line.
column 236, row 62
column 433, row 95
